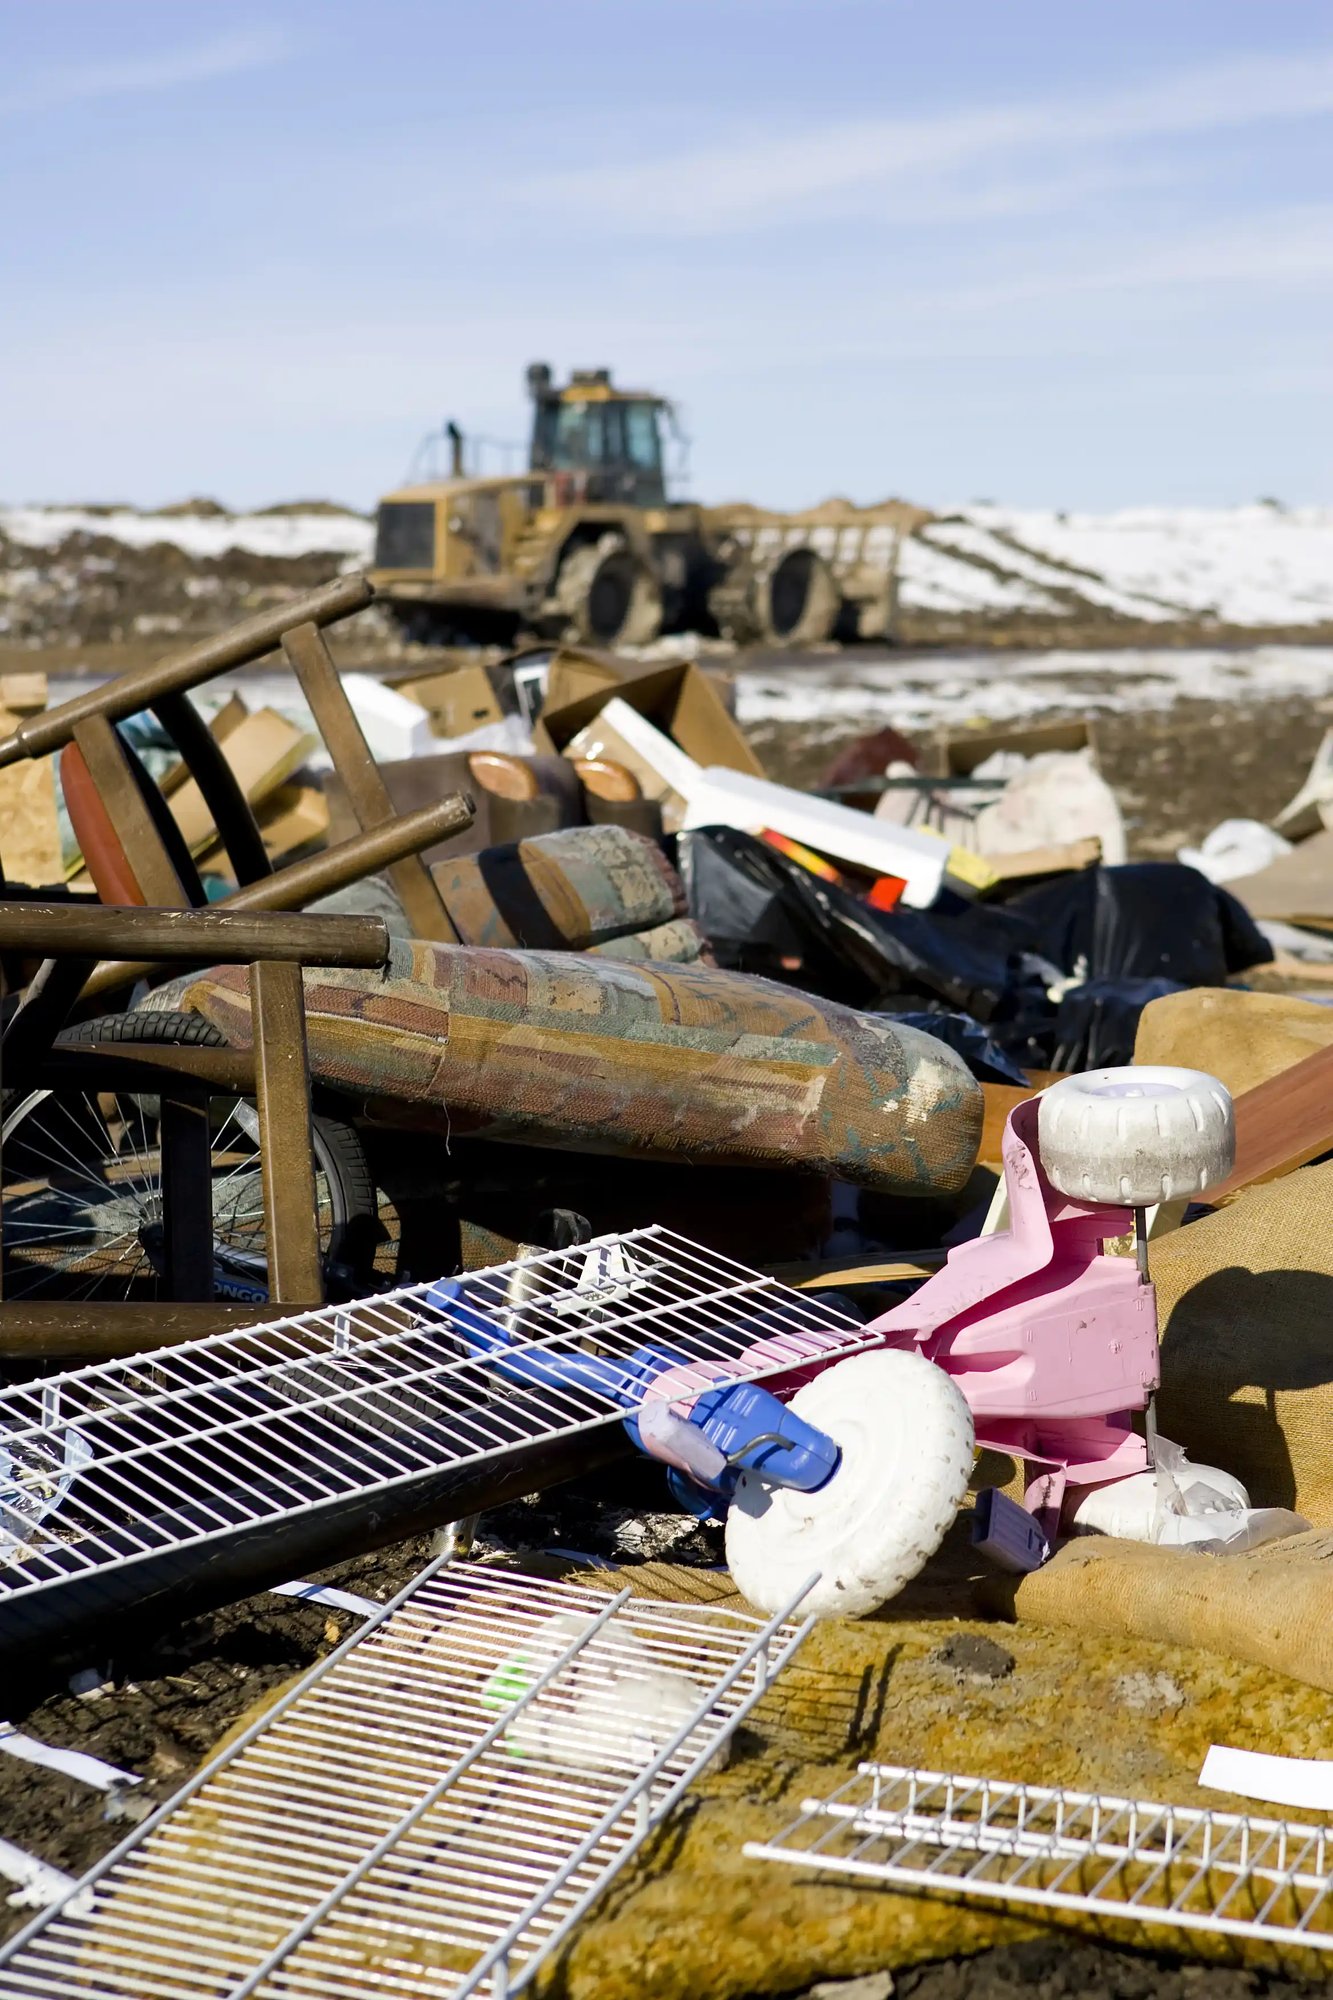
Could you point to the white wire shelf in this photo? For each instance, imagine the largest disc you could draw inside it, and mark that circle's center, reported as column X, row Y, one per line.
column 116, row 1480
column 1231, row 1873
column 427, row 1814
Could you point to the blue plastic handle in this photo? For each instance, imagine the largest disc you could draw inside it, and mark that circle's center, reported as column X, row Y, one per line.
column 747, row 1423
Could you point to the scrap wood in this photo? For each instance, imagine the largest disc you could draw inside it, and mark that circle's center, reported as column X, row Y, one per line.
column 1067, row 859
column 999, row 1100
column 1281, row 1125
column 836, row 1273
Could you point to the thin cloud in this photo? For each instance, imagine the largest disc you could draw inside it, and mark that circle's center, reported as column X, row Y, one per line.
column 79, row 83
column 831, row 168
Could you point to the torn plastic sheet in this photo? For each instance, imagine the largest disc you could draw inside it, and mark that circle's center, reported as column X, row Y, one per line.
column 1180, row 1505
column 35, row 1477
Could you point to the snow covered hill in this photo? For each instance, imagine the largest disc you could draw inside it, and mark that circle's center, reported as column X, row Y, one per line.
column 987, row 573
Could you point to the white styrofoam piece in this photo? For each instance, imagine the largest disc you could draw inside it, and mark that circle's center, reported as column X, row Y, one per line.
column 715, row 795
column 510, row 734
column 734, row 798
column 394, row 725
column 679, row 771
column 1285, row 1781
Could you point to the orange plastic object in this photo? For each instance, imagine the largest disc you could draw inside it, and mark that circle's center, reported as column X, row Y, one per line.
column 105, row 858
column 886, row 892
column 804, row 856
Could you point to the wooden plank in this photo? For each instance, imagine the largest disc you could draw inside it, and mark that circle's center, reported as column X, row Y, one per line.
column 1280, row 1125
column 1071, row 858
column 282, row 1089
column 362, row 782
column 1000, row 1099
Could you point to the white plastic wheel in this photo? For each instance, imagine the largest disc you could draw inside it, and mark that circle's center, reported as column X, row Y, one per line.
column 906, row 1437
column 1136, row 1136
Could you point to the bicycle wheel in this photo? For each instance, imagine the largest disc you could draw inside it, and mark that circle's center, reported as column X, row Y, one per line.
column 82, row 1208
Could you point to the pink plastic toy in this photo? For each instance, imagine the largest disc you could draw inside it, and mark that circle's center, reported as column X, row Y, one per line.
column 1049, row 1346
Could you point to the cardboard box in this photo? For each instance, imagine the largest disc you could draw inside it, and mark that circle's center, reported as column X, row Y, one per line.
column 459, row 701
column 263, row 750
column 957, row 753
column 30, row 844
column 679, row 699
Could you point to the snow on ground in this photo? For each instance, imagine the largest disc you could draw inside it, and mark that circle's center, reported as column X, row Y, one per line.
column 930, row 579
column 955, row 688
column 1258, row 565
column 203, row 535
column 1246, row 566
column 972, row 539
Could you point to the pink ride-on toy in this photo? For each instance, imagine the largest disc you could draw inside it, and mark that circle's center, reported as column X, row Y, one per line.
column 1034, row 1342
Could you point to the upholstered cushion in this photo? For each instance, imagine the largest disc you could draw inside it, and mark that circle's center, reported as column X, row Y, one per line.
column 603, row 1056
column 561, row 891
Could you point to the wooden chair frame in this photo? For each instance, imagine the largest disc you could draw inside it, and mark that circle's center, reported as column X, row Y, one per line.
column 275, row 946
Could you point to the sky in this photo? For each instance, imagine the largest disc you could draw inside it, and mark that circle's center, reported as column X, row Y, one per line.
column 1076, row 256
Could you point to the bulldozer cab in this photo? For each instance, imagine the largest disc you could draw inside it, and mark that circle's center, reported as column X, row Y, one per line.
column 597, row 443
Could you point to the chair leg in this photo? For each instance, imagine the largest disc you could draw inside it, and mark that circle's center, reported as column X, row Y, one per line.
column 187, row 1198
column 282, row 1088
column 310, row 660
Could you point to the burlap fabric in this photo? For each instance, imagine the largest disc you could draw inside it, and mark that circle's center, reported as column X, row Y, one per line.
column 684, row 1062
column 1244, row 1038
column 1245, row 1304
column 1272, row 1607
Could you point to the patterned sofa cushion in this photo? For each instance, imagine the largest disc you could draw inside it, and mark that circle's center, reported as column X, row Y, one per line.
column 561, row 891
column 604, row 1056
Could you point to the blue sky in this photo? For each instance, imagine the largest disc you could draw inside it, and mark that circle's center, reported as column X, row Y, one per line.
column 1077, row 255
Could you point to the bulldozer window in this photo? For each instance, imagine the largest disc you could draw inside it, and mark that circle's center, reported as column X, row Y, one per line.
column 643, row 446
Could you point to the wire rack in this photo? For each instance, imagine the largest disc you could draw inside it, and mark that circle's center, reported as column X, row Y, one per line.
column 117, row 1479
column 1156, row 1864
column 428, row 1813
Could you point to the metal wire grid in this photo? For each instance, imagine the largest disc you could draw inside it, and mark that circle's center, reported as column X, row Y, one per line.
column 107, row 1465
column 427, row 1814
column 1063, row 1850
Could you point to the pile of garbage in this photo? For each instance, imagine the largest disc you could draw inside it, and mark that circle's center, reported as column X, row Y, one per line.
column 914, row 1189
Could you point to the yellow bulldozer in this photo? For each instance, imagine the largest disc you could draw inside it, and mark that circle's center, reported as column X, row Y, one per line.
column 585, row 544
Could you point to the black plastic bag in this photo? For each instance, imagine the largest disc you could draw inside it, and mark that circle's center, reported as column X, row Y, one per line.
column 763, row 912
column 1147, row 920
column 988, row 1062
column 1097, row 1022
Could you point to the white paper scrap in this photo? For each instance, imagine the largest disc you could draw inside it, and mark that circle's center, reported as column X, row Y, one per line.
column 1282, row 1781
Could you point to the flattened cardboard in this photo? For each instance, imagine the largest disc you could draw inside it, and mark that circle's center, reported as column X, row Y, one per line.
column 30, row 848
column 1297, row 888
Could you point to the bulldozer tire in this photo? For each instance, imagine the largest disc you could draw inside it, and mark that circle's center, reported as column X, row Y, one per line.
column 731, row 604
column 608, row 596
column 796, row 599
